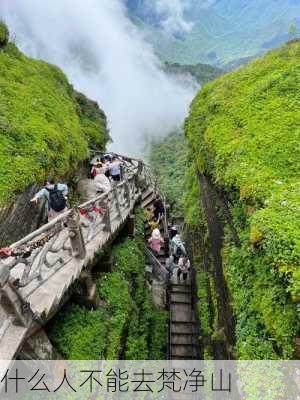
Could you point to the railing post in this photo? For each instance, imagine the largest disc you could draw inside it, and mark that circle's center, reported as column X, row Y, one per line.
column 127, row 192
column 116, row 197
column 4, row 274
column 106, row 219
column 140, row 167
column 76, row 236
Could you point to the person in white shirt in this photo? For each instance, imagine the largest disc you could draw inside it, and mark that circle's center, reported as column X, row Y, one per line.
column 102, row 183
column 184, row 267
column 115, row 169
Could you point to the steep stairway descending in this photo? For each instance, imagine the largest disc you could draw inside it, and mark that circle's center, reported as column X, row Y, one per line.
column 183, row 340
column 148, row 197
column 183, row 326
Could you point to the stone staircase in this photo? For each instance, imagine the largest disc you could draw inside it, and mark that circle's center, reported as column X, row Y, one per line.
column 183, row 339
column 33, row 287
column 183, row 326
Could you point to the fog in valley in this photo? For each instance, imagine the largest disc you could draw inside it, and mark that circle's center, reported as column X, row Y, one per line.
column 105, row 57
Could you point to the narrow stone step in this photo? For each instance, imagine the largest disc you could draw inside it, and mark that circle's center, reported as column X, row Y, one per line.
column 182, row 328
column 149, row 269
column 180, row 289
column 181, row 313
column 148, row 201
column 178, row 297
column 184, row 340
column 187, row 352
column 147, row 193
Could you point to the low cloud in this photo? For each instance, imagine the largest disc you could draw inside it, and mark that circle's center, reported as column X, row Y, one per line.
column 105, row 57
column 171, row 13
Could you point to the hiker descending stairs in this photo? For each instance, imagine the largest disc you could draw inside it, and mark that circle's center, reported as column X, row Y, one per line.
column 183, row 330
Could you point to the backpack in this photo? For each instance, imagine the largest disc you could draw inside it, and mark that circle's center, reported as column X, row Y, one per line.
column 94, row 172
column 57, row 200
column 178, row 251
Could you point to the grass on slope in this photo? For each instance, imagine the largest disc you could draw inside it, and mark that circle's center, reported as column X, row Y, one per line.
column 202, row 73
column 244, row 132
column 45, row 126
column 168, row 159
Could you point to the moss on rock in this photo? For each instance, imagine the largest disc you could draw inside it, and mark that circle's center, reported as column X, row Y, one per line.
column 45, row 126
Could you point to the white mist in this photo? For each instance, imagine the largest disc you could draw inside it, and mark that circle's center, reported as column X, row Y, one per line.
column 105, row 57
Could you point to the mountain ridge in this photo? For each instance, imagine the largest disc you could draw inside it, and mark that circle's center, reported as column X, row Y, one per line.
column 221, row 31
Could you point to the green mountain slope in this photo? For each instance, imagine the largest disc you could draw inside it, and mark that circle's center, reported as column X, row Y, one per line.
column 223, row 32
column 202, row 73
column 45, row 126
column 243, row 132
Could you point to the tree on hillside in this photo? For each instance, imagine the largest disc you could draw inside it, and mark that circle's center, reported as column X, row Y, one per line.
column 293, row 31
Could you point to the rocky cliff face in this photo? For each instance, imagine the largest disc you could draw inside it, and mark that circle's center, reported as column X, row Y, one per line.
column 21, row 217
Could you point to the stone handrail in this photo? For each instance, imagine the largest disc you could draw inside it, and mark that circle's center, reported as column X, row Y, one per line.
column 47, row 250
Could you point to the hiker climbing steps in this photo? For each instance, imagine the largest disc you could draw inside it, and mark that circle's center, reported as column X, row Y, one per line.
column 183, row 329
column 38, row 271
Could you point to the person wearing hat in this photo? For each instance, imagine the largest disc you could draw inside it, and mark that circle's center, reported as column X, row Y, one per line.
column 156, row 241
column 98, row 168
column 173, row 232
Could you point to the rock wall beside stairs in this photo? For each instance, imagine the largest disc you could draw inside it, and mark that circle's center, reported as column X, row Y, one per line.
column 21, row 217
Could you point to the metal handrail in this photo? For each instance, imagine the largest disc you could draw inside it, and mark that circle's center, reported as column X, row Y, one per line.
column 149, row 252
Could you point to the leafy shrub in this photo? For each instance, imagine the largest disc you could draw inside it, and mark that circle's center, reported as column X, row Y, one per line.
column 79, row 333
column 128, row 324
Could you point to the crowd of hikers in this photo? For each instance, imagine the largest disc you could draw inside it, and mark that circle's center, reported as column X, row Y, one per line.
column 178, row 261
column 104, row 171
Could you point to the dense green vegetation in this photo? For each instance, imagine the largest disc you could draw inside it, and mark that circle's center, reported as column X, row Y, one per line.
column 243, row 132
column 168, row 159
column 127, row 325
column 202, row 73
column 45, row 126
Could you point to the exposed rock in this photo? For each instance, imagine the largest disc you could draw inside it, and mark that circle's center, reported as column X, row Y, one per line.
column 21, row 217
column 159, row 294
column 38, row 347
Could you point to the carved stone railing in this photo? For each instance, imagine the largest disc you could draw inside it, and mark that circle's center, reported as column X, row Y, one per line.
column 44, row 252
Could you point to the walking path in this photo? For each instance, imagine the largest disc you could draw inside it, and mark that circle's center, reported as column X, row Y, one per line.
column 35, row 280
